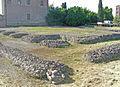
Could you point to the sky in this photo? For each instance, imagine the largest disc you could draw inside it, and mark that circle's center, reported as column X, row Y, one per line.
column 90, row 4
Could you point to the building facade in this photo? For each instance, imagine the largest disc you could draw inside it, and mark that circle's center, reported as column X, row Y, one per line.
column 118, row 10
column 24, row 12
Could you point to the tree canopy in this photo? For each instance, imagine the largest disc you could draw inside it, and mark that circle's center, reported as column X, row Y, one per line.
column 108, row 13
column 74, row 16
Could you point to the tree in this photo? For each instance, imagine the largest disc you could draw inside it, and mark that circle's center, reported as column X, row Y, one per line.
column 93, row 17
column 64, row 5
column 75, row 16
column 100, row 11
column 56, row 16
column 108, row 13
column 117, row 20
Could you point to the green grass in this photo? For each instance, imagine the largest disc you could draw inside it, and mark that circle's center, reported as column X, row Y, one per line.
column 51, row 30
column 4, row 37
column 112, row 28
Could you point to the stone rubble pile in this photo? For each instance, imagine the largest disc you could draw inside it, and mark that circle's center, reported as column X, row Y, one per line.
column 54, row 43
column 39, row 38
column 8, row 33
column 72, row 37
column 33, row 65
column 104, row 54
column 89, row 39
column 18, row 35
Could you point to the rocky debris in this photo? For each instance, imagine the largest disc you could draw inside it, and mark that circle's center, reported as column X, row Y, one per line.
column 32, row 65
column 19, row 35
column 77, row 38
column 55, row 76
column 39, row 38
column 104, row 54
column 8, row 32
column 54, row 43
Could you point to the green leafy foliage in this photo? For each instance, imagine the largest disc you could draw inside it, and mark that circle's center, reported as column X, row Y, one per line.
column 117, row 20
column 74, row 16
column 108, row 13
column 56, row 16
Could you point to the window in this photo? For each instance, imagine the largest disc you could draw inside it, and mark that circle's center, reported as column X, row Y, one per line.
column 41, row 3
column 19, row 2
column 8, row 1
column 28, row 2
column 28, row 16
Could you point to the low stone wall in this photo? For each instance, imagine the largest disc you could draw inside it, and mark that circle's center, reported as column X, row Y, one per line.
column 8, row 33
column 104, row 54
column 39, row 38
column 33, row 65
column 18, row 35
column 89, row 39
column 98, row 38
column 54, row 43
column 72, row 37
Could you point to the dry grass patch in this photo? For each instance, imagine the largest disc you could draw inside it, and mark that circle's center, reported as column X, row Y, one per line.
column 52, row 30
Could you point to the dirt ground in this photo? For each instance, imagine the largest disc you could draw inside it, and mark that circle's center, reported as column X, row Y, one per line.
column 85, row 74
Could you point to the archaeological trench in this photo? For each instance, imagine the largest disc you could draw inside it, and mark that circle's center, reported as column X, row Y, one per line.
column 54, row 71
